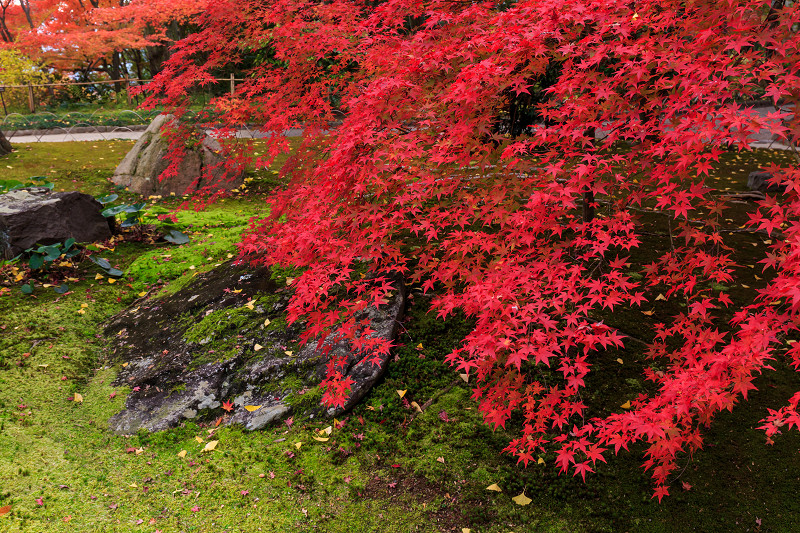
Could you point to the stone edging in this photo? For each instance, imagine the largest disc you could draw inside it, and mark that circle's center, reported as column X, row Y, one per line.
column 74, row 129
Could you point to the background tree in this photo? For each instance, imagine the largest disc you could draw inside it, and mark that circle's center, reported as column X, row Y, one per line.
column 427, row 179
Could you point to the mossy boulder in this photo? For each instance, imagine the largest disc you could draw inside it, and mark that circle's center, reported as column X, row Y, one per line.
column 224, row 337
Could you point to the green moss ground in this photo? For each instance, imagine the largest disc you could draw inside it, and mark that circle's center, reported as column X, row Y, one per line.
column 384, row 469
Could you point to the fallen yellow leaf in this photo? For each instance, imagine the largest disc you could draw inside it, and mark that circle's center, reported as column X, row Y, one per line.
column 198, row 439
column 257, row 347
column 648, row 313
column 298, row 444
column 464, row 377
column 182, row 453
column 133, row 485
column 266, row 322
column 626, row 405
column 77, row 398
column 521, row 499
column 402, row 393
column 142, row 294
column 620, row 361
column 112, row 281
column 250, row 305
column 419, row 346
column 289, row 281
column 289, row 353
column 84, row 305
column 98, row 276
column 660, row 297
column 321, row 439
column 540, row 461
column 210, row 445
column 495, row 487
column 252, row 408
column 327, row 431
column 416, row 406
column 440, row 459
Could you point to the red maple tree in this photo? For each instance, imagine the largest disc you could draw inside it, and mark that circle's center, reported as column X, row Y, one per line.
column 416, row 164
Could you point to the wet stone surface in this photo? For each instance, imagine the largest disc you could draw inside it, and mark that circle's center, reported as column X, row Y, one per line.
column 224, row 337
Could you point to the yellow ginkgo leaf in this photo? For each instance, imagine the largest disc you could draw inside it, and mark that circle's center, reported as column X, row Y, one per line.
column 142, row 294
column 660, row 297
column 466, row 530
column 266, row 322
column 250, row 304
column 65, row 264
column 112, row 281
column 321, row 439
column 495, row 487
column 620, row 361
column 182, row 453
column 289, row 352
column 521, row 499
column 77, row 398
column 198, row 439
column 540, row 461
column 626, row 405
column 464, row 377
column 98, row 276
column 416, row 406
column 47, row 285
column 81, row 311
column 327, row 431
column 230, row 256
column 252, row 408
column 84, row 305
column 402, row 393
column 210, row 445
column 289, row 281
column 257, row 347
column 419, row 346
column 125, row 364
column 298, row 444
column 648, row 313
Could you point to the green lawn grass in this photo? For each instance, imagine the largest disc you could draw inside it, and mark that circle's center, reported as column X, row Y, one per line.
column 383, row 470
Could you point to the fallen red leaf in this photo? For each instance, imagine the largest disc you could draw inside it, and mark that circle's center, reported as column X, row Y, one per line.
column 5, row 510
column 228, row 406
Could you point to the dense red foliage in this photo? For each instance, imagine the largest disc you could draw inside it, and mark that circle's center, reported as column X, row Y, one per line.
column 419, row 181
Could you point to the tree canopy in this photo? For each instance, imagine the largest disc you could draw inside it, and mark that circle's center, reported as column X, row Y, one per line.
column 417, row 166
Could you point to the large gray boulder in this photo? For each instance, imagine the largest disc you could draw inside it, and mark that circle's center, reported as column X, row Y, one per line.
column 759, row 180
column 203, row 165
column 37, row 215
column 224, row 337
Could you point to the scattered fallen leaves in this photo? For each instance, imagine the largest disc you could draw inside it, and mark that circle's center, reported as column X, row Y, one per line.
column 521, row 499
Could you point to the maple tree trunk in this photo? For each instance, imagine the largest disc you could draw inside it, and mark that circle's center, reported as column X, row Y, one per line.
column 5, row 146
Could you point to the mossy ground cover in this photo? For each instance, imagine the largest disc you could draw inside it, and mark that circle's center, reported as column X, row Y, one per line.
column 384, row 468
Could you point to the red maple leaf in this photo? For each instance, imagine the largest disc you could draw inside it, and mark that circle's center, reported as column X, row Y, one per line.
column 227, row 405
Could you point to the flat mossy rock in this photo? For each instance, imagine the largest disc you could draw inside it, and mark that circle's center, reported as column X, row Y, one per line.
column 224, row 337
